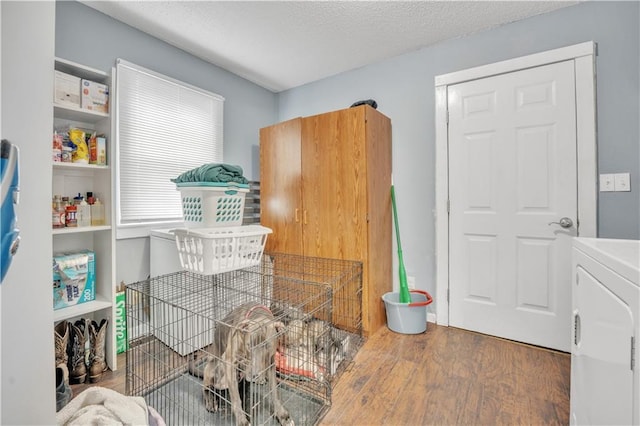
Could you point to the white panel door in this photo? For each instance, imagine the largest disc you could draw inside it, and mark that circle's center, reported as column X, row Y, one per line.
column 512, row 171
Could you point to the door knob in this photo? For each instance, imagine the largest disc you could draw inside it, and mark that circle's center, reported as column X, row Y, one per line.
column 565, row 222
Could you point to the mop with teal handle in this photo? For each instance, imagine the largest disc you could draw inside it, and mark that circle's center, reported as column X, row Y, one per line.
column 405, row 297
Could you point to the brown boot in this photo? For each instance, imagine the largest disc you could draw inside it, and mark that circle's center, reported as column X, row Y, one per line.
column 61, row 337
column 77, row 366
column 97, row 340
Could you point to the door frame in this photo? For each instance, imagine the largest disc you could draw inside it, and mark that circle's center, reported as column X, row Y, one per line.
column 583, row 55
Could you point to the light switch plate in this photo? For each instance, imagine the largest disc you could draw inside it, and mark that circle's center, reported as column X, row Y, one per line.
column 622, row 182
column 607, row 183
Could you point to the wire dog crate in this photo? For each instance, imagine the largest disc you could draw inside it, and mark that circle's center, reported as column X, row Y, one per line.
column 284, row 330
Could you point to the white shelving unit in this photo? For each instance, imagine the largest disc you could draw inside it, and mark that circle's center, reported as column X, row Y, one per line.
column 69, row 179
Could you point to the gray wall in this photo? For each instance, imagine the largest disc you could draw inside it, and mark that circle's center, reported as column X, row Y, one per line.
column 404, row 89
column 91, row 38
column 26, row 324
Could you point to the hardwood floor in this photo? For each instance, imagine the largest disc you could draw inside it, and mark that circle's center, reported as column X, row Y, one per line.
column 449, row 376
column 445, row 376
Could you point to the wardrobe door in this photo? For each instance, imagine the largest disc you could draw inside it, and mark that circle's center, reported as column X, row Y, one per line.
column 334, row 185
column 377, row 272
column 281, row 186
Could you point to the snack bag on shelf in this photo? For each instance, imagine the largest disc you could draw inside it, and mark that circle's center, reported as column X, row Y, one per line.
column 81, row 153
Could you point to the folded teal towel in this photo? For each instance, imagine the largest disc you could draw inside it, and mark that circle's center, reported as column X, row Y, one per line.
column 213, row 172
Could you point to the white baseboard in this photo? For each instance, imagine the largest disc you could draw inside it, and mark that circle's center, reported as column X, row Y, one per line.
column 431, row 317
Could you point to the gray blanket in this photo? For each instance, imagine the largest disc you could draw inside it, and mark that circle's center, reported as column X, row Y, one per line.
column 213, row 172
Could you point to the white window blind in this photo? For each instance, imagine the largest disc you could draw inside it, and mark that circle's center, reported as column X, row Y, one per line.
column 164, row 127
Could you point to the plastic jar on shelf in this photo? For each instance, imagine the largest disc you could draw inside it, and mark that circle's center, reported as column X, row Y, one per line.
column 58, row 213
column 97, row 213
column 67, row 154
column 71, row 220
column 84, row 213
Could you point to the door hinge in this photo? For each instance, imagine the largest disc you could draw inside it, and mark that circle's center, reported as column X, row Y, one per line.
column 448, row 206
column 447, row 295
column 447, row 116
column 633, row 353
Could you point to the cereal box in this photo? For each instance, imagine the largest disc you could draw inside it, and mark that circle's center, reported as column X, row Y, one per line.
column 95, row 96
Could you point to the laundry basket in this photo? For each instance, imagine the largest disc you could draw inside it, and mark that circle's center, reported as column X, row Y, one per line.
column 212, row 204
column 210, row 251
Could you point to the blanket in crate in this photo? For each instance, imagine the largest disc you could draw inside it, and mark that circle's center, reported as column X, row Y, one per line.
column 302, row 362
column 298, row 362
column 213, row 172
column 295, row 362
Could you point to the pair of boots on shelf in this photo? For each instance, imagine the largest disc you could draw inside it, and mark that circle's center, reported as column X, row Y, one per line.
column 71, row 361
column 70, row 339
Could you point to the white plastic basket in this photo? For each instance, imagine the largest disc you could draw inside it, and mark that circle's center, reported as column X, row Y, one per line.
column 212, row 204
column 216, row 250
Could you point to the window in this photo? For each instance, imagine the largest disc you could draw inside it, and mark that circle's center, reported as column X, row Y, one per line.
column 163, row 128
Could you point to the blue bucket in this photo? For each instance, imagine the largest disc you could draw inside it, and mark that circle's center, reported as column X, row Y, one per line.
column 407, row 318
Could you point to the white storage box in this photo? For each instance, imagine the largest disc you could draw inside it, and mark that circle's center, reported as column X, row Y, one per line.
column 212, row 204
column 163, row 255
column 182, row 330
column 210, row 251
column 95, row 96
column 67, row 89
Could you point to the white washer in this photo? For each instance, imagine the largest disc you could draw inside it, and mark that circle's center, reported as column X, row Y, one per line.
column 605, row 385
column 163, row 253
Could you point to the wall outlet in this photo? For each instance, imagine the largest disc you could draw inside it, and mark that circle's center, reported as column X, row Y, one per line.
column 411, row 283
column 621, row 182
column 607, row 183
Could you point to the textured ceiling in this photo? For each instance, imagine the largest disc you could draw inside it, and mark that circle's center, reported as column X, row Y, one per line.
column 280, row 45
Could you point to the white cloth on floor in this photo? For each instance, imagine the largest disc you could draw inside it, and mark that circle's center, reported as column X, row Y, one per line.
column 97, row 406
column 155, row 419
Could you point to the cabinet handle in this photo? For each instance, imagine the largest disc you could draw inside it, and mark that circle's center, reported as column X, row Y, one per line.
column 297, row 218
column 576, row 328
column 304, row 216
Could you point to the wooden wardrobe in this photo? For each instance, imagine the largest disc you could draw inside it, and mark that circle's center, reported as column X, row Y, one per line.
column 325, row 184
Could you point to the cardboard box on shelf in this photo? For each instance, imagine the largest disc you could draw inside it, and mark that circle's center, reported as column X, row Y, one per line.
column 98, row 150
column 95, row 96
column 67, row 89
column 74, row 278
